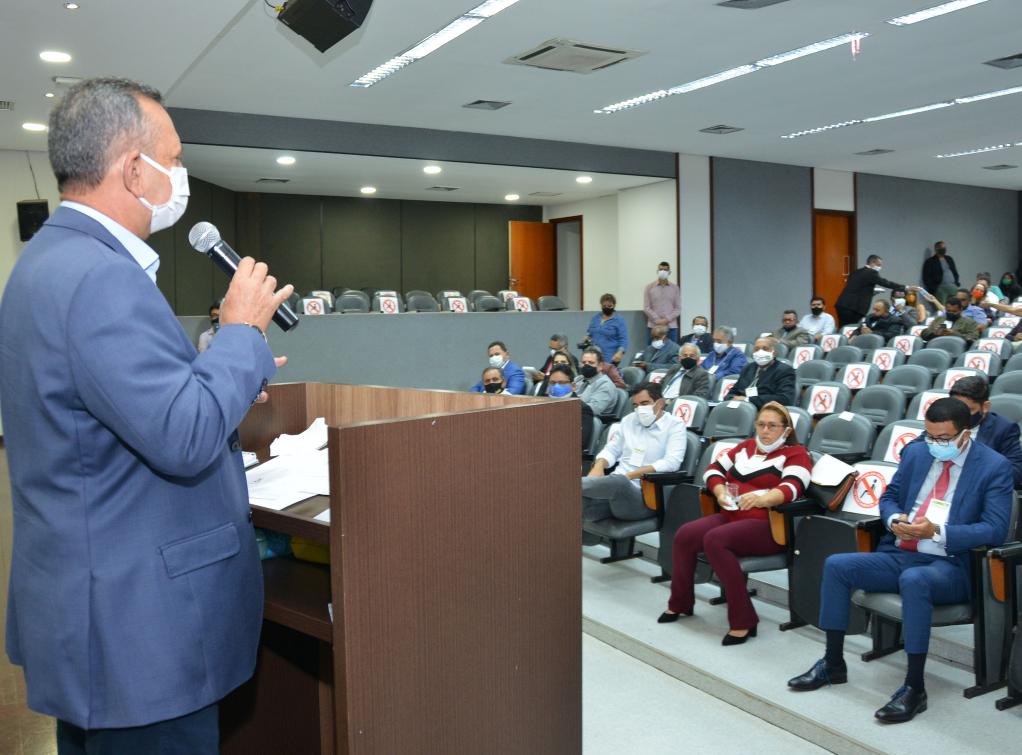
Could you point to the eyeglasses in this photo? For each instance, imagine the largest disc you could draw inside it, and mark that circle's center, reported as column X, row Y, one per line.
column 769, row 426
column 940, row 441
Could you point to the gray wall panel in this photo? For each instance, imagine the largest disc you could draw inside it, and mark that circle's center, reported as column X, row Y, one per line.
column 492, row 260
column 901, row 218
column 193, row 272
column 291, row 240
column 361, row 242
column 222, row 214
column 436, row 350
column 437, row 246
column 762, row 243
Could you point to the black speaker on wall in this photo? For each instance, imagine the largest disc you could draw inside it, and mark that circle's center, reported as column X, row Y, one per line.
column 32, row 213
column 324, row 23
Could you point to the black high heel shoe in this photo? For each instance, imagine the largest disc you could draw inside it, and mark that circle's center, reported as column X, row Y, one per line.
column 667, row 617
column 730, row 639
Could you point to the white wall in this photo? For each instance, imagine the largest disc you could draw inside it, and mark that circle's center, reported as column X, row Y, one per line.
column 599, row 244
column 569, row 263
column 833, row 190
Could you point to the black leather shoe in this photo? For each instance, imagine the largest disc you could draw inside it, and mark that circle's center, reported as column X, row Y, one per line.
column 667, row 617
column 730, row 639
column 904, row 706
column 819, row 675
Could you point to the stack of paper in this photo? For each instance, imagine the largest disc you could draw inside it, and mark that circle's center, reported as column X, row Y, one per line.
column 285, row 480
column 314, row 438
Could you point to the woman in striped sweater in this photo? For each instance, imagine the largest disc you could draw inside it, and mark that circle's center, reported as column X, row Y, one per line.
column 768, row 469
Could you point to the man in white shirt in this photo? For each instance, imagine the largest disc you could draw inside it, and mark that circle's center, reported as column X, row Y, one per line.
column 817, row 322
column 647, row 440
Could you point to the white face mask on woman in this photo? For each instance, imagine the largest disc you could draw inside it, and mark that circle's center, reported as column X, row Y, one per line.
column 770, row 448
column 169, row 212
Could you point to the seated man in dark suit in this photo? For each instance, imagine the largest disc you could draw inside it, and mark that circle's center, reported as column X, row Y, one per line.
column 687, row 378
column 700, row 335
column 765, row 379
column 881, row 321
column 989, row 428
column 558, row 345
column 661, row 351
column 948, row 496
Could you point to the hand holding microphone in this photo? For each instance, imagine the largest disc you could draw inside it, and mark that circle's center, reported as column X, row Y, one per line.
column 250, row 297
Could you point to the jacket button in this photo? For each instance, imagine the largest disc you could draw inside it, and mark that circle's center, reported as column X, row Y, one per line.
column 235, row 447
column 250, row 515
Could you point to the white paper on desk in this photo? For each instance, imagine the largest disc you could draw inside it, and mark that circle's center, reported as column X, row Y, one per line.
column 286, row 480
column 313, row 438
column 249, row 459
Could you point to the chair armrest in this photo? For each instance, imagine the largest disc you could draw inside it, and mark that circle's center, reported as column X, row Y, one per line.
column 715, row 438
column 667, row 478
column 707, row 502
column 1003, row 562
column 868, row 532
column 851, row 458
column 798, row 507
column 1009, row 552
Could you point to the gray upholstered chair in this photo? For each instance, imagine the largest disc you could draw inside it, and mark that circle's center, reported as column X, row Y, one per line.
column 880, row 404
column 849, row 438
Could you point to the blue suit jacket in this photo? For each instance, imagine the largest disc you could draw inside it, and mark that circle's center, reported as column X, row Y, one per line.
column 730, row 362
column 980, row 508
column 514, row 379
column 1002, row 435
column 136, row 589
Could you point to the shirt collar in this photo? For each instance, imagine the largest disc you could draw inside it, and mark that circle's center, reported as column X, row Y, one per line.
column 139, row 250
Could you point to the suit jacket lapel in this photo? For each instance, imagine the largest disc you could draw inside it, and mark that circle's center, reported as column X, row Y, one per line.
column 912, row 492
column 73, row 220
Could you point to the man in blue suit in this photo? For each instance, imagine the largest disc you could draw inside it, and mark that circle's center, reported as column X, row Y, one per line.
column 989, row 428
column 135, row 599
column 514, row 376
column 948, row 496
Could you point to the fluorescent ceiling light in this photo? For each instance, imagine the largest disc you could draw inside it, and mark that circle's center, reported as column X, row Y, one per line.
column 432, row 170
column 584, row 180
column 820, row 129
column 978, row 151
column 29, row 126
column 936, row 10
column 910, row 111
column 285, row 160
column 368, row 189
column 784, row 57
column 434, row 41
column 511, row 197
column 987, row 95
column 731, row 73
column 54, row 56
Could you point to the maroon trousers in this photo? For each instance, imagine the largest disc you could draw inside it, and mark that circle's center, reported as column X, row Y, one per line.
column 724, row 542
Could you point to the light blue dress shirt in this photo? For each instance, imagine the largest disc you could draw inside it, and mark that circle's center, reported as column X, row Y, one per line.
column 140, row 251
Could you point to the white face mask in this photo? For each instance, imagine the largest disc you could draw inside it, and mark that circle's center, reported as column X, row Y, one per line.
column 899, row 303
column 663, row 274
column 496, row 361
column 168, row 213
column 762, row 357
column 769, row 449
column 646, row 415
column 553, row 351
column 720, row 348
column 699, row 329
column 657, row 344
column 878, row 268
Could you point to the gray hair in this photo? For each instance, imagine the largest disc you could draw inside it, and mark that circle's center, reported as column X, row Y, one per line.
column 559, row 338
column 727, row 331
column 95, row 118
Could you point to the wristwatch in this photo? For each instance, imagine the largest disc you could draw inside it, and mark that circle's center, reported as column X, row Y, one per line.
column 936, row 533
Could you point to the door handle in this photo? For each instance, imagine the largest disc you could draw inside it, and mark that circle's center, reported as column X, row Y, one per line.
column 847, row 261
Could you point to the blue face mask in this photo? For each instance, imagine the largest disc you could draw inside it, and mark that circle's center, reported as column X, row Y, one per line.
column 559, row 390
column 944, row 453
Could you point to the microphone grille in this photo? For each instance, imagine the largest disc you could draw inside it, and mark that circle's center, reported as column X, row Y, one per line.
column 203, row 236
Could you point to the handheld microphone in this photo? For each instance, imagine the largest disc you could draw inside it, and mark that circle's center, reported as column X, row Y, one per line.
column 205, row 238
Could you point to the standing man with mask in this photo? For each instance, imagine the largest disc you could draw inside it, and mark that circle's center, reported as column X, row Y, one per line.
column 661, row 301
column 853, row 303
column 940, row 276
column 646, row 441
column 514, row 376
column 136, row 596
column 817, row 323
column 765, row 379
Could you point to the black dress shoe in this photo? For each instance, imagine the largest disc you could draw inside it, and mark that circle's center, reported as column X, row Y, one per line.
column 730, row 639
column 819, row 675
column 904, row 706
column 667, row 617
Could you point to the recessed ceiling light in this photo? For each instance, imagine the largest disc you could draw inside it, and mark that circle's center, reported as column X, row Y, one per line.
column 978, row 151
column 54, row 56
column 432, row 170
column 30, row 126
column 936, row 10
column 49, row 95
column 511, row 197
column 285, row 160
column 584, row 179
column 72, row 6
column 368, row 189
column 434, row 41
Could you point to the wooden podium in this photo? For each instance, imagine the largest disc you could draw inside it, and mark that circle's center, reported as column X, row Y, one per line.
column 454, row 576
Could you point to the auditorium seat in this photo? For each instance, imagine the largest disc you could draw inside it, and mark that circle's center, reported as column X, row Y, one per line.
column 910, row 378
column 801, row 354
column 388, row 303
column 935, row 360
column 953, row 345
column 985, row 361
column 352, row 302
column 803, row 423
column 880, row 404
column 906, row 429
column 916, row 407
column 812, row 372
column 326, row 296
column 653, row 376
column 887, row 358
column 849, row 437
column 1007, row 405
column 487, row 303
column 858, row 375
column 1009, row 382
column 826, row 397
column 948, row 377
column 732, row 419
column 313, row 305
column 1007, row 559
column 692, row 410
column 844, row 354
column 421, row 303
column 359, row 293
column 832, row 341
column 867, row 341
column 1014, row 363
column 455, row 304
column 720, row 386
column 633, row 376
column 417, row 292
column 551, row 304
column 476, row 293
column 519, row 304
column 441, row 295
column 1000, row 346
column 907, row 343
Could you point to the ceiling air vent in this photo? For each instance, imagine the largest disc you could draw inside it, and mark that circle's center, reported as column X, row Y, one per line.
column 6, row 105
column 875, row 152
column 1012, row 61
column 443, row 188
column 486, row 104
column 272, row 180
column 720, row 129
column 546, row 193
column 749, row 4
column 1002, row 166
column 576, row 57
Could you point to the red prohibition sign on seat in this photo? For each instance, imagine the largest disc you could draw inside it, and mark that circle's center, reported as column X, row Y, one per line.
column 314, row 307
column 928, row 404
column 803, row 356
column 822, row 401
column 904, row 344
column 883, row 360
column 978, row 363
column 521, row 305
column 457, row 305
column 868, row 489
column 899, row 444
column 685, row 413
column 991, row 347
column 389, row 306
column 855, row 377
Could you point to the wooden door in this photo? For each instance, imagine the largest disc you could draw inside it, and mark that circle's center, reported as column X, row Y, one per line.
column 833, row 254
column 532, row 258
